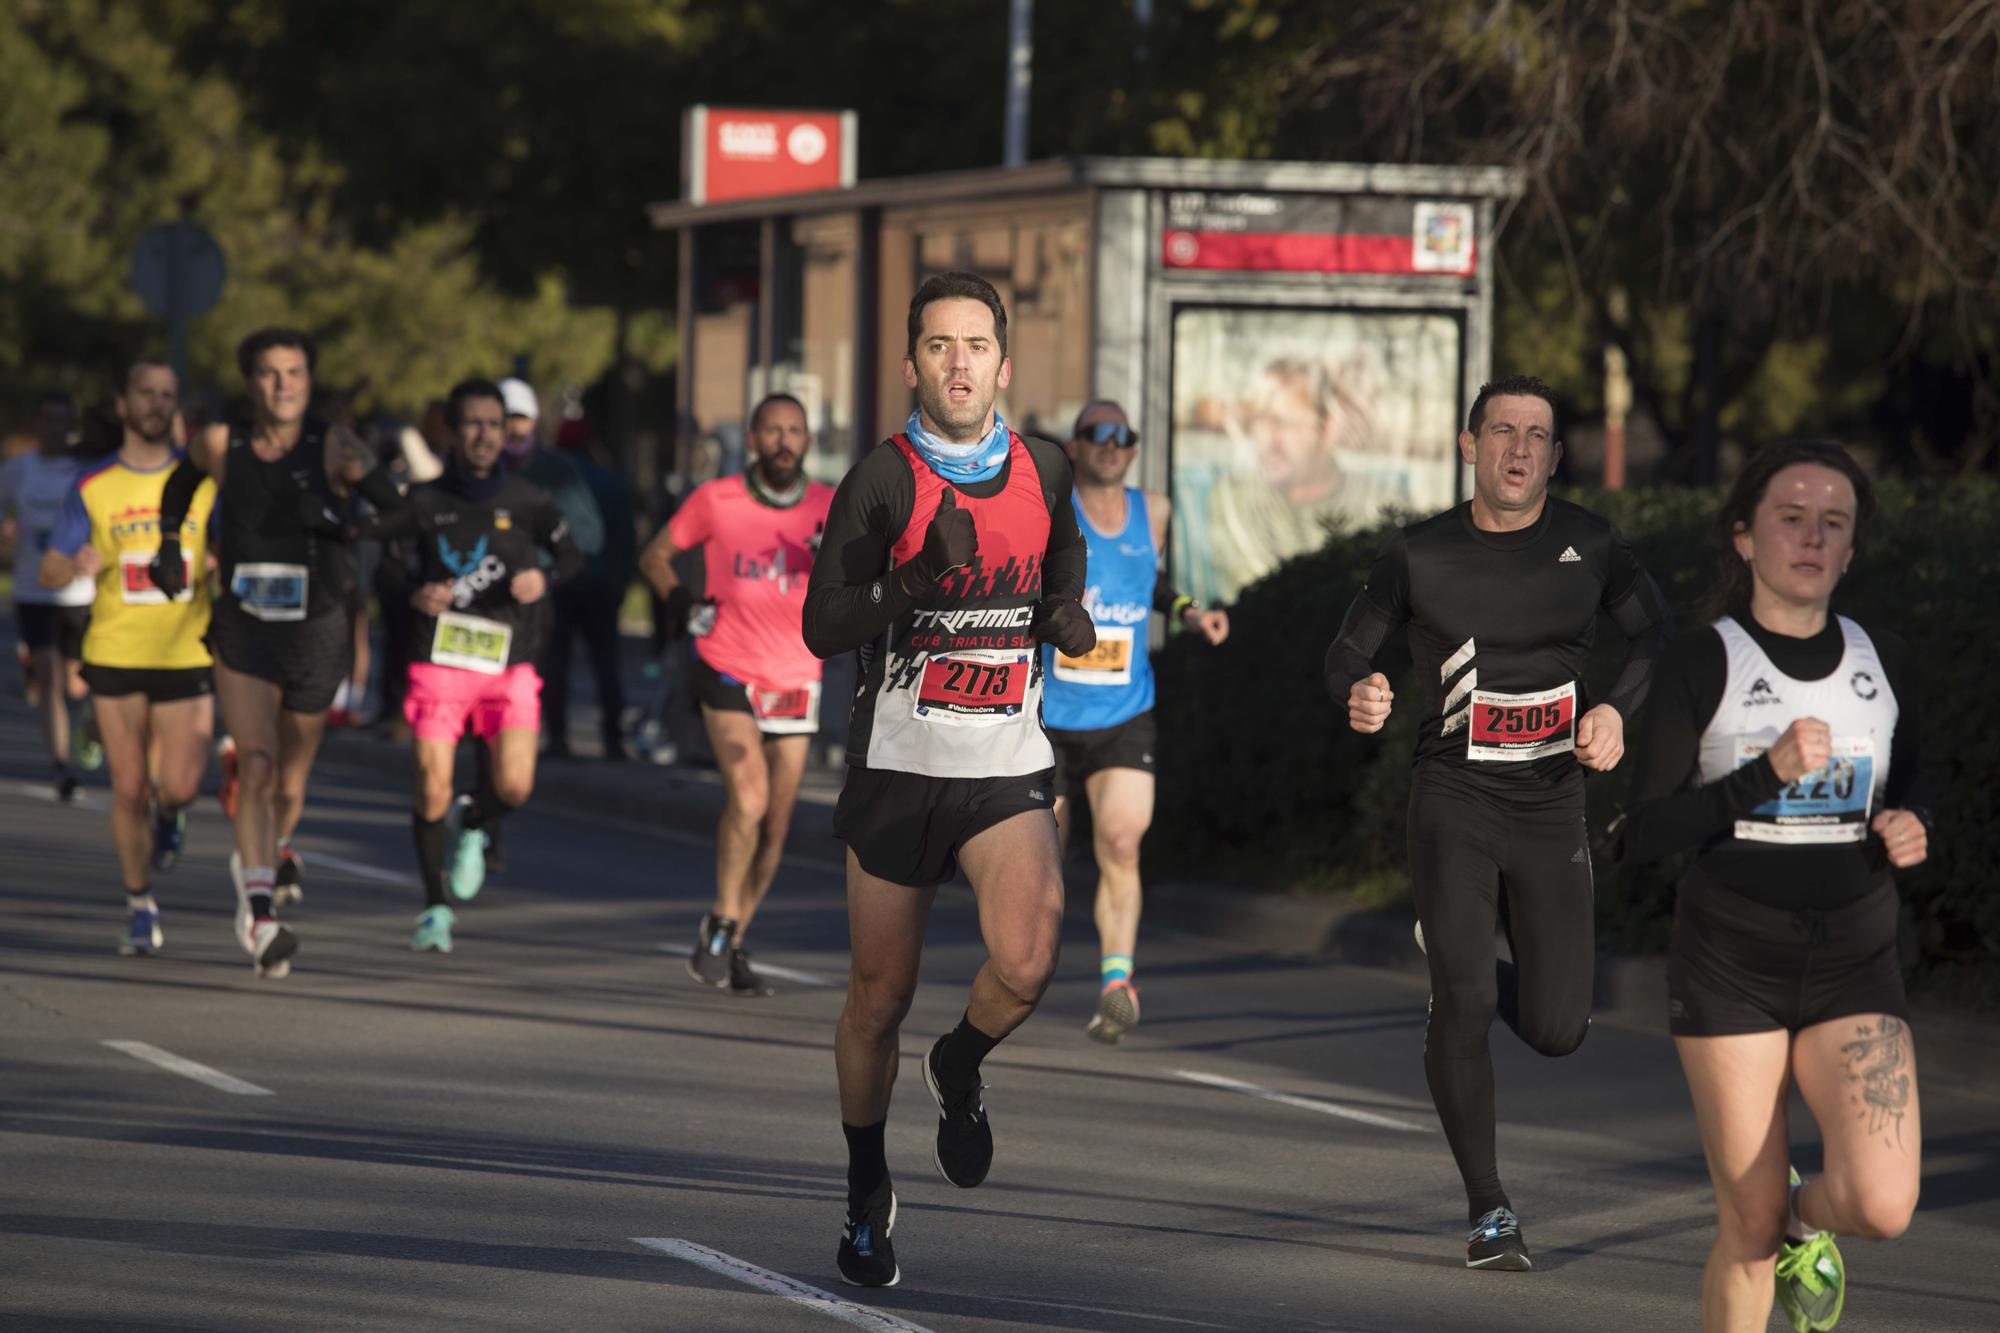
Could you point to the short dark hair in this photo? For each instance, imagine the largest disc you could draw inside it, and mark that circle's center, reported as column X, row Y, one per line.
column 1513, row 386
column 1732, row 581
column 263, row 340
column 465, row 391
column 770, row 399
column 956, row 285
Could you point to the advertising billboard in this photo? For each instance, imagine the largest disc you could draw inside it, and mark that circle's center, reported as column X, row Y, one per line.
column 1289, row 424
column 749, row 152
column 1242, row 231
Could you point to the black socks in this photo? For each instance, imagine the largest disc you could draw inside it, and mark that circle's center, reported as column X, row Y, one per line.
column 429, row 835
column 963, row 1048
column 867, row 1162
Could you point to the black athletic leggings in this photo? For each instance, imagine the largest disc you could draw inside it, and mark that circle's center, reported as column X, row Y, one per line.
column 1477, row 860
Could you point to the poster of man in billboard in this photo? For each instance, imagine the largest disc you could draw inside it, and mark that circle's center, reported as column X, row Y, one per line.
column 1289, row 425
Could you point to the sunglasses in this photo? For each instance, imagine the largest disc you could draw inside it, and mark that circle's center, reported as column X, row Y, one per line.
column 1109, row 432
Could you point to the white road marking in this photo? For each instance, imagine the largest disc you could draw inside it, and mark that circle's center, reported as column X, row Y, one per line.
column 46, row 791
column 763, row 1279
column 174, row 1064
column 793, row 974
column 1303, row 1103
column 360, row 868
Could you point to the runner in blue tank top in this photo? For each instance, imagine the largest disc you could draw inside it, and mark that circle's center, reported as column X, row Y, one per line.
column 1098, row 708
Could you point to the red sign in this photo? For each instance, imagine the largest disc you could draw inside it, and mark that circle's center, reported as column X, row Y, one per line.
column 1318, row 234
column 746, row 153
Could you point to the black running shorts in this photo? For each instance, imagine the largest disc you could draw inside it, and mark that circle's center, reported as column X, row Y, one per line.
column 1079, row 754
column 160, row 685
column 60, row 627
column 305, row 659
column 908, row 828
column 1738, row 966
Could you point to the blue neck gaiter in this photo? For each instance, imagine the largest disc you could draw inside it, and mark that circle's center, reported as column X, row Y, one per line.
column 962, row 463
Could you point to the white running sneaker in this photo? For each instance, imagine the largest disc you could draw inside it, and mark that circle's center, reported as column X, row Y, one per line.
column 270, row 947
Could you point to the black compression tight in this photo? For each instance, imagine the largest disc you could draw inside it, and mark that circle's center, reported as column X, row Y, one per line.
column 1477, row 861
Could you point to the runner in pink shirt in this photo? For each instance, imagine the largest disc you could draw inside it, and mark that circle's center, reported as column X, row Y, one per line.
column 758, row 684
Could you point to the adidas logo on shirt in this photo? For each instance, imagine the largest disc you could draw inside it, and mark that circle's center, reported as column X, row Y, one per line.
column 1569, row 556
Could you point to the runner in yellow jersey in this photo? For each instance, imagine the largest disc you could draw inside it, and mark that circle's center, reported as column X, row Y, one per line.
column 143, row 655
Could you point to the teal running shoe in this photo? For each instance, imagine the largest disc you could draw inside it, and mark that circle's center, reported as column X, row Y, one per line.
column 169, row 837
column 467, row 873
column 433, row 931
column 1811, row 1280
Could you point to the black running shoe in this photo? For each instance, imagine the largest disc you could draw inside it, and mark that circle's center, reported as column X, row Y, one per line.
column 744, row 983
column 1496, row 1243
column 708, row 961
column 289, row 884
column 866, row 1257
column 964, row 1150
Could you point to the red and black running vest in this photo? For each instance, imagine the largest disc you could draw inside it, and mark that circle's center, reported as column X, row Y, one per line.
column 957, row 684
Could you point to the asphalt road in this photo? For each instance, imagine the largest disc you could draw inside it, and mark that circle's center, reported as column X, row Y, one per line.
column 553, row 1128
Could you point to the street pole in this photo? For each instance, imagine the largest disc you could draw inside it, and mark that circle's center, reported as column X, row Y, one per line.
column 1020, row 74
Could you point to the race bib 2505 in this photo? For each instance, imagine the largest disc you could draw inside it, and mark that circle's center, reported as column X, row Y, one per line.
column 135, row 579
column 1512, row 728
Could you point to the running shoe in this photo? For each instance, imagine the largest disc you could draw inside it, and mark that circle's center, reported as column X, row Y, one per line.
column 964, row 1148
column 66, row 788
column 289, row 884
column 744, row 983
column 708, row 961
column 86, row 747
column 434, row 930
column 225, row 756
column 467, row 873
column 169, row 834
column 1496, row 1243
column 143, row 937
column 270, row 947
column 1811, row 1279
column 866, row 1257
column 1117, row 1013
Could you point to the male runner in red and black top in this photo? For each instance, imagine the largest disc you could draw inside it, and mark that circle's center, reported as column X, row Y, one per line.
column 951, row 553
column 1500, row 597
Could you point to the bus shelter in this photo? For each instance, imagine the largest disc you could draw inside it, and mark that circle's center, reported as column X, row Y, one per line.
column 1295, row 342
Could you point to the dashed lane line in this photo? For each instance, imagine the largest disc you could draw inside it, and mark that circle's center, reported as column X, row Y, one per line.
column 186, row 1068
column 777, row 1284
column 1303, row 1103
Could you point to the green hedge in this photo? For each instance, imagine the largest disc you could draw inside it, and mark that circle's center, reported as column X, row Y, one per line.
column 1263, row 785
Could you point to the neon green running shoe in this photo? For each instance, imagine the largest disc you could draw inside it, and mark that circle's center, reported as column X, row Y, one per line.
column 1811, row 1280
column 433, row 931
column 467, row 874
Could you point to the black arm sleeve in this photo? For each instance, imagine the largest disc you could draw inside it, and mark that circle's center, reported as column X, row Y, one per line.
column 378, row 488
column 1063, row 573
column 1377, row 611
column 1906, row 788
column 850, row 598
column 1640, row 612
column 177, row 497
column 1164, row 594
column 1669, row 810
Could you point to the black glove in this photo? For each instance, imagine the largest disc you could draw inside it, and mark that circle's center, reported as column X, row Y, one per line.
column 1063, row 624
column 951, row 541
column 169, row 568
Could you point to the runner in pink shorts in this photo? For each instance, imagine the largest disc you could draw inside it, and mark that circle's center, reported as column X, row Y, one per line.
column 492, row 545
column 758, row 683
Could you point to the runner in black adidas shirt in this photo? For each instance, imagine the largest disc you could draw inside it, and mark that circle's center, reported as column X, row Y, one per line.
column 1782, row 744
column 482, row 614
column 951, row 553
column 281, row 631
column 1500, row 597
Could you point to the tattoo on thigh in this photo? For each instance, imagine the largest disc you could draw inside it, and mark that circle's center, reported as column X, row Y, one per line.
column 1878, row 1071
